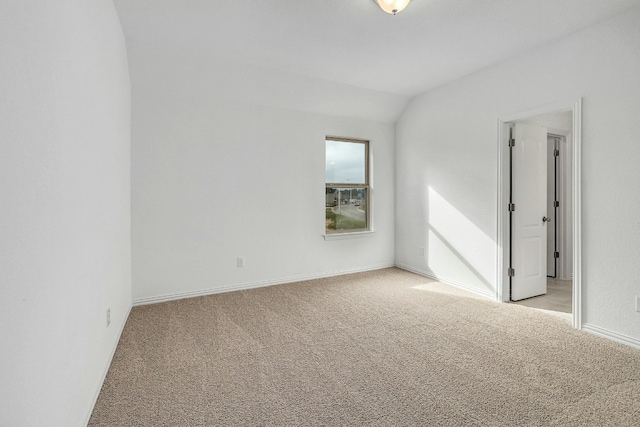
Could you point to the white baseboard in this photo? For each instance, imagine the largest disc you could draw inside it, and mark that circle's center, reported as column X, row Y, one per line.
column 614, row 336
column 252, row 285
column 107, row 366
column 459, row 285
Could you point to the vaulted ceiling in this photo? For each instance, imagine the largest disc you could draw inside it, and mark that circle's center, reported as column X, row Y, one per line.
column 353, row 42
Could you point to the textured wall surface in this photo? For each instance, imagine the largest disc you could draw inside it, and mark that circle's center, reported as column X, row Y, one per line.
column 447, row 166
column 225, row 166
column 65, row 196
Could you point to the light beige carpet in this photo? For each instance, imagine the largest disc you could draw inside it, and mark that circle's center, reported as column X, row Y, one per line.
column 383, row 348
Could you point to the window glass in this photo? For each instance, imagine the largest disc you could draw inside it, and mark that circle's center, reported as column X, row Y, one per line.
column 345, row 162
column 346, row 209
column 346, row 186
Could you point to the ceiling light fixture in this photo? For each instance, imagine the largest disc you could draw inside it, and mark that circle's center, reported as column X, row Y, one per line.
column 392, row 6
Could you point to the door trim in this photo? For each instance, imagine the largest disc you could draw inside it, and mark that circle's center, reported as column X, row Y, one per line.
column 502, row 285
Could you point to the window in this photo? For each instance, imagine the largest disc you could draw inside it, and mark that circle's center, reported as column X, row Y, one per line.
column 347, row 185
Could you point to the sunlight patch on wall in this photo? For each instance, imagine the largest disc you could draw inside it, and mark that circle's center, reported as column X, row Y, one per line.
column 458, row 249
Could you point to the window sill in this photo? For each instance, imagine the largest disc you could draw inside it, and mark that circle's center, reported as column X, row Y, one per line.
column 341, row 236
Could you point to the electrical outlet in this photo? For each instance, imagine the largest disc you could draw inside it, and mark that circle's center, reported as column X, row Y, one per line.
column 240, row 261
column 638, row 303
column 108, row 317
column 421, row 251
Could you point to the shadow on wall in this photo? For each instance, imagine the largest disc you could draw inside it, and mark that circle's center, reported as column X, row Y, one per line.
column 458, row 250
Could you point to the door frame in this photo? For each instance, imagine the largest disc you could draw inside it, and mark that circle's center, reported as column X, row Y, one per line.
column 564, row 266
column 503, row 237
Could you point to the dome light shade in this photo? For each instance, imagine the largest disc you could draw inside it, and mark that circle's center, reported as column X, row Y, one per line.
column 392, row 6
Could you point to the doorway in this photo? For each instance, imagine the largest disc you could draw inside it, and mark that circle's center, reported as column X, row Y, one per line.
column 561, row 223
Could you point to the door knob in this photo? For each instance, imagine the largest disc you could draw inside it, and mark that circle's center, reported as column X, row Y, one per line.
column 546, row 219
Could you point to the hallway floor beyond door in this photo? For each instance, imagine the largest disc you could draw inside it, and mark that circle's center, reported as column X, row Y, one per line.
column 558, row 298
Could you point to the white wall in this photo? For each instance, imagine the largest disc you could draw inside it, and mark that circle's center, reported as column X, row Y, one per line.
column 229, row 164
column 65, row 195
column 556, row 123
column 446, row 167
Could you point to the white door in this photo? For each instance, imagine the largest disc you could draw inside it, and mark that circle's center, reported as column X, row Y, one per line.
column 528, row 221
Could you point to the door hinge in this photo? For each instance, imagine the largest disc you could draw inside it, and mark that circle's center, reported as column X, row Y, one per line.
column 511, row 207
column 512, row 142
column 511, row 272
column 556, row 152
column 556, row 254
column 556, row 204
